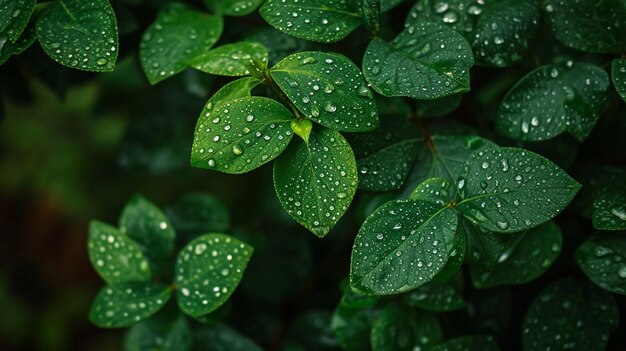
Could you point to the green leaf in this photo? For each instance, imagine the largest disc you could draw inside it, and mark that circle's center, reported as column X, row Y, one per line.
column 456, row 259
column 198, row 213
column 553, row 99
column 436, row 296
column 144, row 223
column 443, row 157
column 618, row 75
column 468, row 343
column 352, row 327
column 329, row 89
column 609, row 206
column 324, row 21
column 387, row 5
column 570, row 314
column 603, row 259
column 208, row 270
column 503, row 31
column 385, row 155
column 124, row 304
column 370, row 11
column 230, row 59
column 316, row 181
column 401, row 246
column 437, row 191
column 14, row 16
column 460, row 15
column 279, row 44
column 79, row 34
column 233, row 7
column 589, row 25
column 399, row 329
column 509, row 189
column 117, row 258
column 484, row 247
column 221, row 337
column 177, row 36
column 151, row 335
column 526, row 256
column 7, row 48
column 438, row 107
column 426, row 61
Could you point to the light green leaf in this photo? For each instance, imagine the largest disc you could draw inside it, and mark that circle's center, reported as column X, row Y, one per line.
column 603, row 259
column 426, row 61
column 221, row 337
column 230, row 59
column 79, row 34
column 14, row 15
column 526, row 256
column 618, row 75
column 468, row 343
column 143, row 222
column 329, row 89
column 316, row 181
column 460, row 15
column 589, row 25
column 233, row 7
column 503, row 31
column 385, row 155
column 176, row 37
column 324, row 21
column 370, row 11
column 436, row 296
column 26, row 39
column 124, row 304
column 400, row 329
column 579, row 313
column 153, row 335
column 553, row 99
column 609, row 206
column 509, row 189
column 117, row 258
column 401, row 246
column 443, row 157
column 208, row 270
column 237, row 136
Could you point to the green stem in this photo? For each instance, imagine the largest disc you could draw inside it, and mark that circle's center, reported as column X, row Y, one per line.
column 267, row 80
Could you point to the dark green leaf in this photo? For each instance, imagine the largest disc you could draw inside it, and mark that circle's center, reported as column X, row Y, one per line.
column 387, row 5
column 329, row 89
column 509, row 189
column 460, row 15
column 436, row 296
column 370, row 11
column 484, row 247
column 7, row 48
column 426, row 61
column 221, row 337
column 279, row 44
column 323, row 21
column 468, row 343
column 208, row 270
column 79, row 34
column 176, row 37
column 230, row 59
column 385, row 155
column 503, row 31
column 589, row 25
column 609, row 206
column 198, row 213
column 402, row 246
column 117, row 258
column 233, row 7
column 456, row 259
column 240, row 135
column 155, row 335
column 352, row 327
column 618, row 75
column 553, row 99
column 124, row 304
column 527, row 256
column 14, row 15
column 143, row 222
column 570, row 314
column 316, row 181
column 398, row 329
column 603, row 259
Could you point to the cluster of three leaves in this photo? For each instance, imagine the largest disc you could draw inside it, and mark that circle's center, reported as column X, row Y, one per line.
column 315, row 177
column 133, row 260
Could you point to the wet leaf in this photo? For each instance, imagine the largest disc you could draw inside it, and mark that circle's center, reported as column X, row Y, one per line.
column 79, row 34
column 553, row 99
column 221, row 337
column 116, row 257
column 352, row 327
column 509, row 189
column 460, row 15
column 177, row 36
column 230, row 59
column 570, row 314
column 468, row 343
column 436, row 296
column 329, row 89
column 208, row 270
column 603, row 259
column 484, row 247
column 316, row 181
column 609, row 205
column 618, row 75
column 152, row 335
column 25, row 40
column 398, row 329
column 233, row 7
column 426, row 61
column 14, row 16
column 198, row 213
column 437, row 191
column 124, row 304
column 370, row 11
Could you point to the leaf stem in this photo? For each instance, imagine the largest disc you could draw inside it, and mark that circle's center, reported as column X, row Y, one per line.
column 419, row 122
column 269, row 81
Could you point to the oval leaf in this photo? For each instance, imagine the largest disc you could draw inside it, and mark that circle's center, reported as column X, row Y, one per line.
column 79, row 34
column 603, row 259
column 509, row 189
column 329, row 89
column 553, row 99
column 231, row 59
column 208, row 270
column 315, row 181
column 436, row 297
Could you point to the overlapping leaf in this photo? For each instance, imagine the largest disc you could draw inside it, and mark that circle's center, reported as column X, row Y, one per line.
column 230, row 59
column 603, row 259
